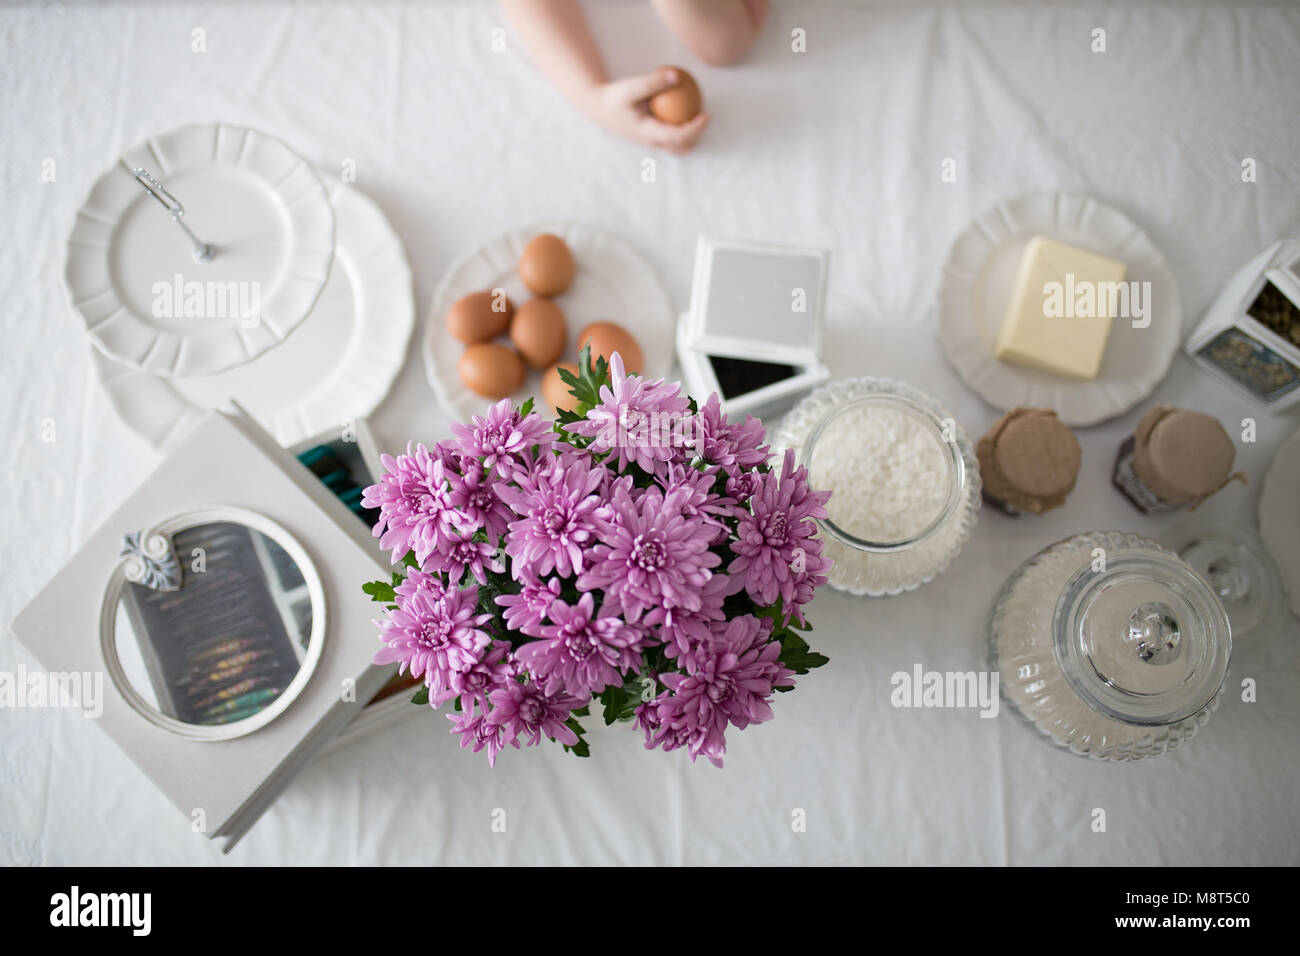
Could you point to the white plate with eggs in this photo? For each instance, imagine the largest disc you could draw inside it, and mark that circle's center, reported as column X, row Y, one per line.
column 611, row 282
column 976, row 286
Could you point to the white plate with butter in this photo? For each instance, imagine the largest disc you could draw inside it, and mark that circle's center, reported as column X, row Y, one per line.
column 979, row 280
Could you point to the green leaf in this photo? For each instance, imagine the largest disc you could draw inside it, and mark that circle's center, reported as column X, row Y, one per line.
column 803, row 663
column 585, row 386
column 380, row 591
column 421, row 696
column 409, row 560
column 614, row 699
column 581, row 748
column 799, row 658
column 797, row 655
column 527, row 407
column 793, row 643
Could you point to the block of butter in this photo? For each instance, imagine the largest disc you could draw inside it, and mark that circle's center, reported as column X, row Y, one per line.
column 1061, row 310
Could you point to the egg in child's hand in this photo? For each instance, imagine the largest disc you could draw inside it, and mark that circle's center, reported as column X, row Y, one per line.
column 491, row 370
column 555, row 392
column 606, row 338
column 539, row 332
column 680, row 103
column 480, row 316
column 547, row 265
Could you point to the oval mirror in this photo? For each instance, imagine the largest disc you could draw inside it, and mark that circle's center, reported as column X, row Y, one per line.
column 212, row 623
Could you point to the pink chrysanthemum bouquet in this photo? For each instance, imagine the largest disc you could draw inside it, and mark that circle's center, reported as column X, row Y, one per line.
column 639, row 552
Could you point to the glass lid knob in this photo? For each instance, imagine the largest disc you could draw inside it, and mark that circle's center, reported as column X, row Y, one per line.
column 1153, row 633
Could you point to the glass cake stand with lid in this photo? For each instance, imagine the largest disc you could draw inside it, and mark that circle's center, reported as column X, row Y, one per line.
column 1111, row 645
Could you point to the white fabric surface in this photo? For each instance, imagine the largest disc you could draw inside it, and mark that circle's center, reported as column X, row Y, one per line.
column 838, row 147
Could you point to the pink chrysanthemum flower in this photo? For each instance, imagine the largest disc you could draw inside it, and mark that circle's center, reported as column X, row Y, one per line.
column 526, row 611
column 501, row 436
column 524, row 711
column 433, row 633
column 432, row 585
column 414, row 501
column 478, row 733
column 473, row 494
column 777, row 532
column 698, row 500
column 719, row 442
column 688, row 635
column 809, row 575
column 561, row 515
column 456, row 555
column 643, row 421
column 741, row 487
column 649, row 556
column 580, row 653
column 733, row 685
column 649, row 719
column 474, row 684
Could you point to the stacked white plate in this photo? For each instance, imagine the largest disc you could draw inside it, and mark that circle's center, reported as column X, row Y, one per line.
column 333, row 288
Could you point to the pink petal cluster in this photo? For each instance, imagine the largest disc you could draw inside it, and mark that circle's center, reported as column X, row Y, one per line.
column 776, row 539
column 646, row 551
column 735, row 674
column 650, row 556
column 641, row 422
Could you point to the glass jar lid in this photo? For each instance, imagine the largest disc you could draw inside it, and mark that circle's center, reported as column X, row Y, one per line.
column 1239, row 569
column 1139, row 635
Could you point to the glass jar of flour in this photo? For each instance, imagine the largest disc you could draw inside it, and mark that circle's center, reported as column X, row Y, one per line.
column 1111, row 645
column 904, row 481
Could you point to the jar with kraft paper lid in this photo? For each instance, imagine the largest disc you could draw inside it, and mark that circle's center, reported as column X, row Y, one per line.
column 1029, row 461
column 1174, row 459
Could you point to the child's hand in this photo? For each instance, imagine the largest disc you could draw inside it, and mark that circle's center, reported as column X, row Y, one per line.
column 621, row 107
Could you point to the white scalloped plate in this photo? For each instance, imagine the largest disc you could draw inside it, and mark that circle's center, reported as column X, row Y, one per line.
column 336, row 366
column 612, row 282
column 976, row 285
column 250, row 196
column 1279, row 517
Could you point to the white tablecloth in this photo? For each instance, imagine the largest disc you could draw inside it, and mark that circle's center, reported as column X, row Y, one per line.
column 840, row 147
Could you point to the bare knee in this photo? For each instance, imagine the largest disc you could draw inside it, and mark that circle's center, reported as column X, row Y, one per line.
column 719, row 32
column 722, row 49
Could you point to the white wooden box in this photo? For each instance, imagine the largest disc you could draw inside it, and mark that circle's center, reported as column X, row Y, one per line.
column 1235, row 344
column 753, row 332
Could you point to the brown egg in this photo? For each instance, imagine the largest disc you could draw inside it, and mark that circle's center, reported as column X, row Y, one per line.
column 491, row 370
column 555, row 393
column 680, row 103
column 607, row 338
column 480, row 316
column 547, row 265
column 539, row 332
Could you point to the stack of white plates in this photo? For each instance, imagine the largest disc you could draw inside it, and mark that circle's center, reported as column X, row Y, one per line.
column 317, row 261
